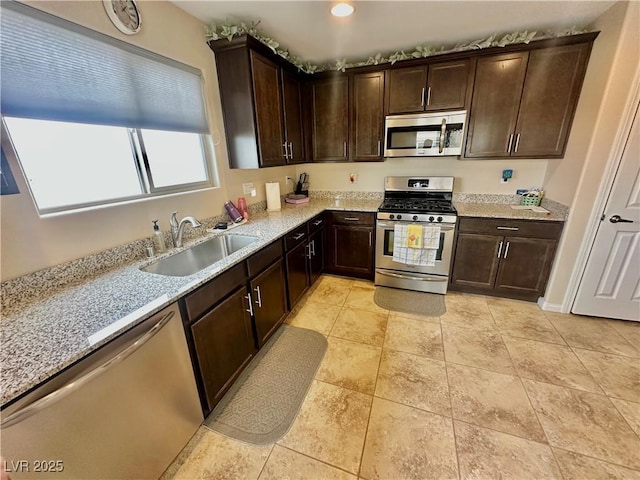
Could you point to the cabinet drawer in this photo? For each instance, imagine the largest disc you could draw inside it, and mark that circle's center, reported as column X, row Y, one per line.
column 211, row 293
column 295, row 237
column 265, row 257
column 352, row 218
column 518, row 228
column 316, row 224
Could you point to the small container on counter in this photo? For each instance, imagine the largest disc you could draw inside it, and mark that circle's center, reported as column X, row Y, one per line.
column 233, row 212
column 242, row 206
column 158, row 238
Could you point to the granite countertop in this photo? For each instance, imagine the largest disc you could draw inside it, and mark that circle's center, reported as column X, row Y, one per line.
column 496, row 210
column 43, row 335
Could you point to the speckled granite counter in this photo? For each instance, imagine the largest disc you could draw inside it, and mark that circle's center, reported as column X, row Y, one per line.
column 43, row 335
column 495, row 210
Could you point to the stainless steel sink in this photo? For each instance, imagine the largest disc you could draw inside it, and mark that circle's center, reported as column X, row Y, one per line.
column 199, row 256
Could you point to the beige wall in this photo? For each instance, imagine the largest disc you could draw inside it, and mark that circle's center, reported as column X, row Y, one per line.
column 30, row 243
column 615, row 59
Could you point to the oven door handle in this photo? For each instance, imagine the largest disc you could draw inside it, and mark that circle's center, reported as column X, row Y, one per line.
column 411, row 277
column 444, row 229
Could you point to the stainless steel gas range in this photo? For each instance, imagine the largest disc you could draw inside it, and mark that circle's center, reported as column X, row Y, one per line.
column 414, row 233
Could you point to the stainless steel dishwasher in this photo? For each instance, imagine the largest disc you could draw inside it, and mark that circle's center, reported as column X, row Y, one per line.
column 123, row 412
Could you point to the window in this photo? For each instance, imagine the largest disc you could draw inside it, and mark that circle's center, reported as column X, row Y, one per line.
column 94, row 120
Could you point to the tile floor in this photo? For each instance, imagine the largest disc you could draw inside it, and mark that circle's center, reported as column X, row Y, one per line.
column 494, row 388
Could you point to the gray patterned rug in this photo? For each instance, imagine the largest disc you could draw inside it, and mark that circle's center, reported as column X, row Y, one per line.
column 262, row 404
column 407, row 301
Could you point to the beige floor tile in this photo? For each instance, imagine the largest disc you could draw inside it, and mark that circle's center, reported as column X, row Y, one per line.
column 350, row 365
column 469, row 311
column 415, row 381
column 630, row 411
column 364, row 284
column 486, row 454
column 331, row 426
column 476, row 349
column 360, row 326
column 523, row 319
column 591, row 333
column 414, row 316
column 285, row 464
column 220, row 457
column 492, row 400
column 584, row 423
column 549, row 363
column 315, row 316
column 407, row 443
column 579, row 467
column 618, row 376
column 628, row 329
column 414, row 336
column 362, row 299
column 331, row 290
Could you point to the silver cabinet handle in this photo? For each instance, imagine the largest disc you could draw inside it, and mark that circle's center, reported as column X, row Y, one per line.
column 370, row 238
column 513, row 229
column 509, row 144
column 312, row 248
column 344, row 149
column 307, row 250
column 619, row 219
column 499, row 250
column 250, row 309
column 298, row 236
column 259, row 300
column 379, row 147
column 290, row 150
column 515, row 150
column 351, row 219
column 428, row 96
column 506, row 250
column 422, row 98
column 317, row 222
column 65, row 390
column 286, row 152
column 443, row 130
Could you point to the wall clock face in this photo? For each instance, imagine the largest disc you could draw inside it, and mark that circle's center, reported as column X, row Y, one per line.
column 124, row 14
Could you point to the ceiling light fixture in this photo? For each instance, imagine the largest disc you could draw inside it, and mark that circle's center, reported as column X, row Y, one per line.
column 342, row 9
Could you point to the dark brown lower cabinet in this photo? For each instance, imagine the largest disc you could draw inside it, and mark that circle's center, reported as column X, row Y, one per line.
column 269, row 296
column 350, row 244
column 504, row 257
column 223, row 344
column 315, row 255
column 297, row 273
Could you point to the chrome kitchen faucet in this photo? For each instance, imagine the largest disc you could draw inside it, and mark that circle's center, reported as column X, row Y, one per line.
column 177, row 228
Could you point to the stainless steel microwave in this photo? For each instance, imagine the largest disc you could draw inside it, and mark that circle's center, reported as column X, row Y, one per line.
column 424, row 134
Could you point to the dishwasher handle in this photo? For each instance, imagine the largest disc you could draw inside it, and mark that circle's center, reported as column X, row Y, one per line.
column 62, row 392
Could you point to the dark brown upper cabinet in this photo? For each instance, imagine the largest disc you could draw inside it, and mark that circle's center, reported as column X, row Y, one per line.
column 261, row 104
column 367, row 116
column 524, row 102
column 437, row 86
column 330, row 118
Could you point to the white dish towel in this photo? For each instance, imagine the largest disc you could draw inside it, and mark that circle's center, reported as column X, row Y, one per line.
column 425, row 256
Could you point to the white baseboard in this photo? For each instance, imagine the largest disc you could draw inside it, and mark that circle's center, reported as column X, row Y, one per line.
column 550, row 307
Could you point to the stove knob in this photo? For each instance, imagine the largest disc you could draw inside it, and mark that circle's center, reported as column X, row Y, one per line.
column 439, row 219
column 415, row 218
column 399, row 217
column 392, row 216
column 431, row 219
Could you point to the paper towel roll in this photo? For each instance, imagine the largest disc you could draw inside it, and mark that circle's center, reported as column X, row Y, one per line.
column 273, row 196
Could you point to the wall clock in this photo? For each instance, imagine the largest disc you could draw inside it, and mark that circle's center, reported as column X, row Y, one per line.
column 124, row 14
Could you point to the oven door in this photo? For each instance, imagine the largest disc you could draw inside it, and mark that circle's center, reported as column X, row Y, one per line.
column 384, row 249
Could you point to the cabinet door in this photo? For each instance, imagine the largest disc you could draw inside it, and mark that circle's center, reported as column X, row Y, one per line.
column 367, row 116
column 316, row 252
column 549, row 99
column 268, row 110
column 406, row 90
column 525, row 266
column 476, row 261
column 292, row 117
column 268, row 292
column 351, row 250
column 447, row 85
column 330, row 99
column 224, row 344
column 494, row 107
column 297, row 274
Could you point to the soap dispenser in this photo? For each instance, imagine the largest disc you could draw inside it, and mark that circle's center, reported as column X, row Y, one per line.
column 158, row 238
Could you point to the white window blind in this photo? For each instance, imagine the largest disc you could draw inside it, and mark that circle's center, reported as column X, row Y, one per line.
column 53, row 69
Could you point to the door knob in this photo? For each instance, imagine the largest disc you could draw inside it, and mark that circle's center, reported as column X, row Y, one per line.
column 619, row 219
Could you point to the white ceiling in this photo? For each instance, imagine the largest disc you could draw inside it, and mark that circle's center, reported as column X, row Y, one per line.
column 307, row 29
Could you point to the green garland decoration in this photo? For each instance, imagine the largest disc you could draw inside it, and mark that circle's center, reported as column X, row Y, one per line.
column 230, row 29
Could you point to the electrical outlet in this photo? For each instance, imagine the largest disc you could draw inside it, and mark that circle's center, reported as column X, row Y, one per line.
column 353, row 177
column 247, row 188
column 288, row 179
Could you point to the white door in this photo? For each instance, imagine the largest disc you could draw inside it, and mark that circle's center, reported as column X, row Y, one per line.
column 610, row 286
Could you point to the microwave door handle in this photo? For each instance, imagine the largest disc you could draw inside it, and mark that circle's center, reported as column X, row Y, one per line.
column 443, row 130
